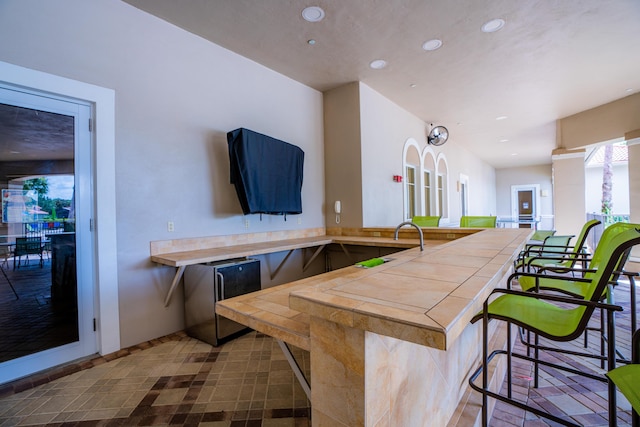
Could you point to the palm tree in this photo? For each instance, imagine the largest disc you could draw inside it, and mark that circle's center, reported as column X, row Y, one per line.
column 607, row 184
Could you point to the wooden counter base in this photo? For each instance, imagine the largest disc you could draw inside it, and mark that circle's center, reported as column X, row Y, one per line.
column 390, row 345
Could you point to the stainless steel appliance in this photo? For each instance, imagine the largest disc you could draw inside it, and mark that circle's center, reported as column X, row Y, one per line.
column 204, row 284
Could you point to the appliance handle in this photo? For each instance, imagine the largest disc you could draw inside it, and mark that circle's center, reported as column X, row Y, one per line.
column 220, row 286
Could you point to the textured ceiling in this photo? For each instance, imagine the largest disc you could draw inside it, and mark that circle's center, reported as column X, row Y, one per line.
column 552, row 59
column 27, row 134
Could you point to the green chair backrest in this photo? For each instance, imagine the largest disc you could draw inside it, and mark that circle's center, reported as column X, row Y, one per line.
column 582, row 237
column 426, row 221
column 612, row 252
column 554, row 244
column 541, row 235
column 478, row 221
column 614, row 237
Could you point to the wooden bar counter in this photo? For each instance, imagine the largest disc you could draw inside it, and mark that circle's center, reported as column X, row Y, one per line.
column 391, row 345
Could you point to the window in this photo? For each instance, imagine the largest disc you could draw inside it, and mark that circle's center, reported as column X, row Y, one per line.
column 427, row 192
column 441, row 196
column 410, row 179
column 464, row 194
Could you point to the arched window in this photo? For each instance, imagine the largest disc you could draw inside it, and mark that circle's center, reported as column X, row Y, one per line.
column 442, row 186
column 428, row 182
column 411, row 178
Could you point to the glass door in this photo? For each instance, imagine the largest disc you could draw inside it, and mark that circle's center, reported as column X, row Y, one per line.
column 46, row 260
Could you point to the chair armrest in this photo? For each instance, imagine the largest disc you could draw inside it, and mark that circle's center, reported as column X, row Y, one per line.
column 555, row 298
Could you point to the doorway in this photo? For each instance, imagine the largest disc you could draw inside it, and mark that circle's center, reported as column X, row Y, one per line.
column 46, row 287
column 524, row 205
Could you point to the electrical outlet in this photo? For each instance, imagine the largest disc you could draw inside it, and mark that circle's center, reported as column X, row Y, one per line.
column 299, row 220
column 246, row 223
column 170, row 226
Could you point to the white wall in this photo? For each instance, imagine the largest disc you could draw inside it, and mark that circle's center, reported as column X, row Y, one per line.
column 385, row 127
column 176, row 97
column 620, row 188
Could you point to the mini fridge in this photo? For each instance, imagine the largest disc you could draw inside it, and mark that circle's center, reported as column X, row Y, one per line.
column 204, row 285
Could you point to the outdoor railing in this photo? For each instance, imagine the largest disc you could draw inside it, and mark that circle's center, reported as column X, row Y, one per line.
column 606, row 220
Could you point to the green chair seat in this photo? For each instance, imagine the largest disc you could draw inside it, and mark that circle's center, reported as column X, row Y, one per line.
column 549, row 320
column 627, row 379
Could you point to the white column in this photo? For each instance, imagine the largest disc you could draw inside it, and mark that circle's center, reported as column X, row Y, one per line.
column 568, row 190
column 633, row 144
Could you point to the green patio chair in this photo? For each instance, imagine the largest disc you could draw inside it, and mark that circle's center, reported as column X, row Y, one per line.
column 573, row 254
column 557, row 318
column 627, row 378
column 553, row 248
column 577, row 288
column 478, row 221
column 426, row 221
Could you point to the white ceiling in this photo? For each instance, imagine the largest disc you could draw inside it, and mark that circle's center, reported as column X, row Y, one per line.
column 553, row 58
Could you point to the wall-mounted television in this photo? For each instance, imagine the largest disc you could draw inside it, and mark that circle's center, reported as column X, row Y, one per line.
column 266, row 172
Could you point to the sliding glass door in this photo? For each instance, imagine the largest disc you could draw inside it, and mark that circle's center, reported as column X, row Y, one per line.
column 46, row 247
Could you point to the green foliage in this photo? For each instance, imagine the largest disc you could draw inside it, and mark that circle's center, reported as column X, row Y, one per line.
column 40, row 184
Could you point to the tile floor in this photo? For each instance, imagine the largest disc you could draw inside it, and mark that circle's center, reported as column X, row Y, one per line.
column 177, row 380
column 174, row 381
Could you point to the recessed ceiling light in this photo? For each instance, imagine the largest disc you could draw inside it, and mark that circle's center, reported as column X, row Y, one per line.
column 413, row 85
column 378, row 64
column 504, row 140
column 493, row 25
column 313, row 14
column 501, row 117
column 514, row 154
column 311, row 42
column 432, row 44
column 629, row 90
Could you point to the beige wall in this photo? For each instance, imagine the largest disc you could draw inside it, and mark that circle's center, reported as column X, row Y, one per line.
column 176, row 96
column 384, row 128
column 608, row 122
column 569, row 192
column 342, row 146
column 540, row 175
column 604, row 123
column 634, row 187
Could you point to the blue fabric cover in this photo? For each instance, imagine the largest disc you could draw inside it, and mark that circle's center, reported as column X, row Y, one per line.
column 266, row 172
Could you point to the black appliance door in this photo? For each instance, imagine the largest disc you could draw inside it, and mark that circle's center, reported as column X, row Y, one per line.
column 233, row 280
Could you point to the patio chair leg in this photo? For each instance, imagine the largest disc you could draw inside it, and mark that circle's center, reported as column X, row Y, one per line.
column 485, row 368
column 9, row 282
column 509, row 359
column 536, row 366
column 611, row 364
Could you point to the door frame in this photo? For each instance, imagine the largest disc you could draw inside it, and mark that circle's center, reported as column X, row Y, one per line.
column 515, row 189
column 103, row 223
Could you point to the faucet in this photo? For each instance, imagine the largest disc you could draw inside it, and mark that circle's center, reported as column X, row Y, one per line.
column 413, row 225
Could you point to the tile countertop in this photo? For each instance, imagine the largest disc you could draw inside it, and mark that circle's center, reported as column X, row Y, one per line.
column 221, row 253
column 423, row 297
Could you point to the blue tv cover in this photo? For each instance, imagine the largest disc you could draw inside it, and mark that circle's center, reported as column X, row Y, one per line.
column 267, row 173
